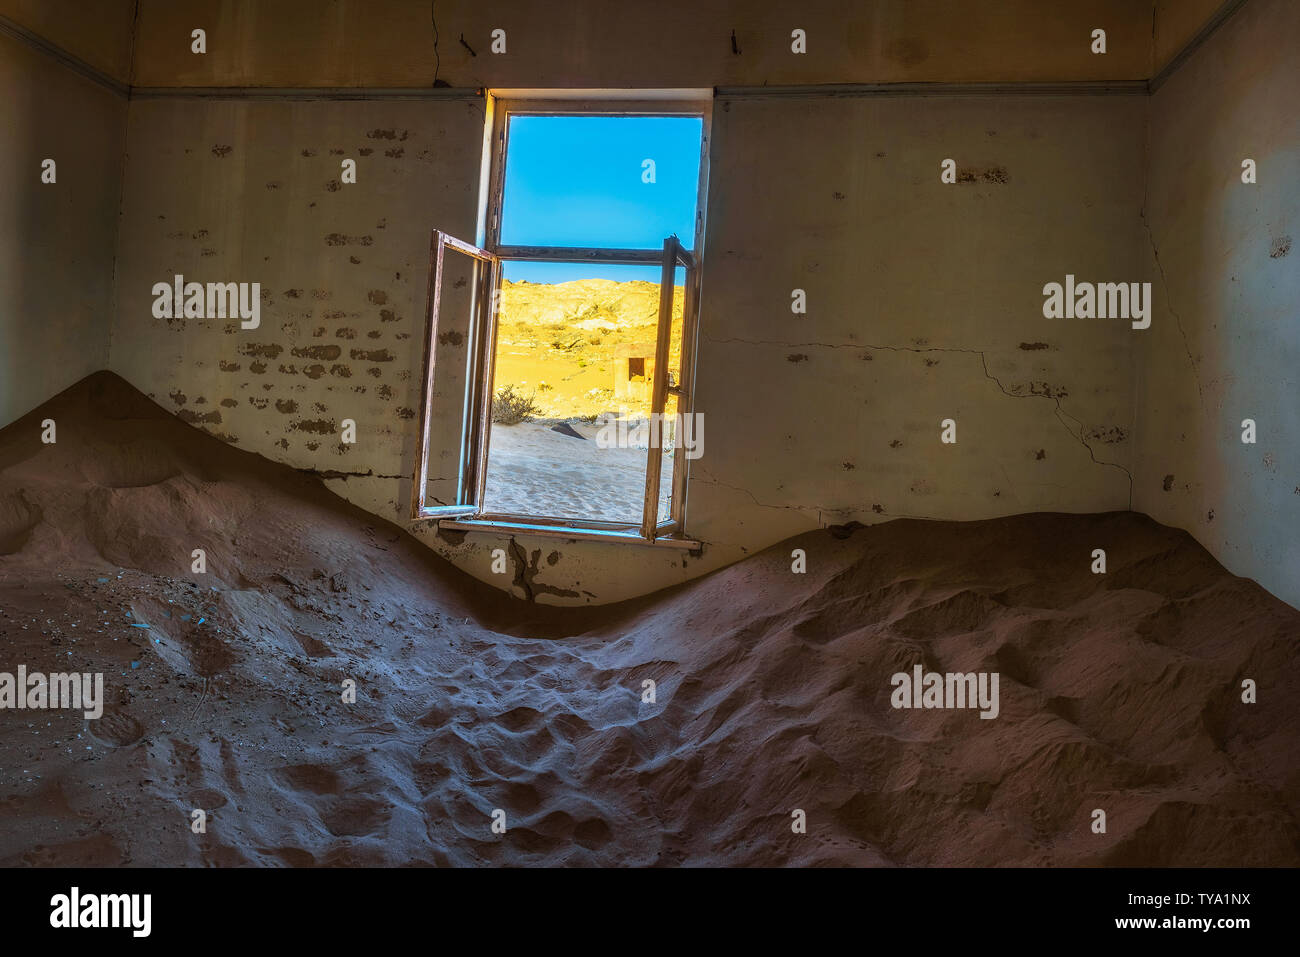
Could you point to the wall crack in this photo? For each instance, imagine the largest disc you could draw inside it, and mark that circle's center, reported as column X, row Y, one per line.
column 526, row 574
column 336, row 474
column 1164, row 282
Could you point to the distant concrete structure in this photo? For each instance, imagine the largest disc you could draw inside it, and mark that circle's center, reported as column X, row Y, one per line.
column 634, row 370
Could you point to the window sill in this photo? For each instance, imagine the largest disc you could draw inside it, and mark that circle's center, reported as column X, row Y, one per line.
column 565, row 531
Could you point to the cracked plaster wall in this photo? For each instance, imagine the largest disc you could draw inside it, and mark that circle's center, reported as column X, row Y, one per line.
column 244, row 191
column 923, row 300
column 924, row 303
column 1225, row 340
column 595, row 44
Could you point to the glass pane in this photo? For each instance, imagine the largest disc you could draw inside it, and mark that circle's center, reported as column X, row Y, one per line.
column 615, row 181
column 672, row 429
column 572, row 391
column 451, row 367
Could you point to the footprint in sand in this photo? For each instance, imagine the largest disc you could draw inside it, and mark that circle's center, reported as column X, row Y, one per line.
column 116, row 728
column 207, row 798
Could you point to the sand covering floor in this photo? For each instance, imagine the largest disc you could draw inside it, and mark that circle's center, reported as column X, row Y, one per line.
column 1118, row 692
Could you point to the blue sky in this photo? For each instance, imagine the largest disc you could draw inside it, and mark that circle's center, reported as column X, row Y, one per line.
column 577, row 181
column 563, row 272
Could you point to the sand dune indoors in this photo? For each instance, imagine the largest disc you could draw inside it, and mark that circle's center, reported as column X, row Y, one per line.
column 1118, row 690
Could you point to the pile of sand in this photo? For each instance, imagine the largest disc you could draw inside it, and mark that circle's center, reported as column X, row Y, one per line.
column 1118, row 692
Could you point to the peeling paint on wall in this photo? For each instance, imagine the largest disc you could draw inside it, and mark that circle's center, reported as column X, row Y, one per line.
column 846, row 420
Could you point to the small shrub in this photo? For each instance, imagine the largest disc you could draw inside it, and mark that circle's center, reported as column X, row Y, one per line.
column 510, row 407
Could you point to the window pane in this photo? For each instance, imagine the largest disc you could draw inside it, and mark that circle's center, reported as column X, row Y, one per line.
column 451, row 379
column 574, row 366
column 671, row 437
column 582, row 180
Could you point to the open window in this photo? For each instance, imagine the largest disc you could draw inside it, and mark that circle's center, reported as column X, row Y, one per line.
column 558, row 391
column 454, row 392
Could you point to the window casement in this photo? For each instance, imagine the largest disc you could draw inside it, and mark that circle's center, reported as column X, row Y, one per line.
column 460, row 352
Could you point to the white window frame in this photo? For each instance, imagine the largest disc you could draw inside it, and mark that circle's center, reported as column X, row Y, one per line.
column 467, row 514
